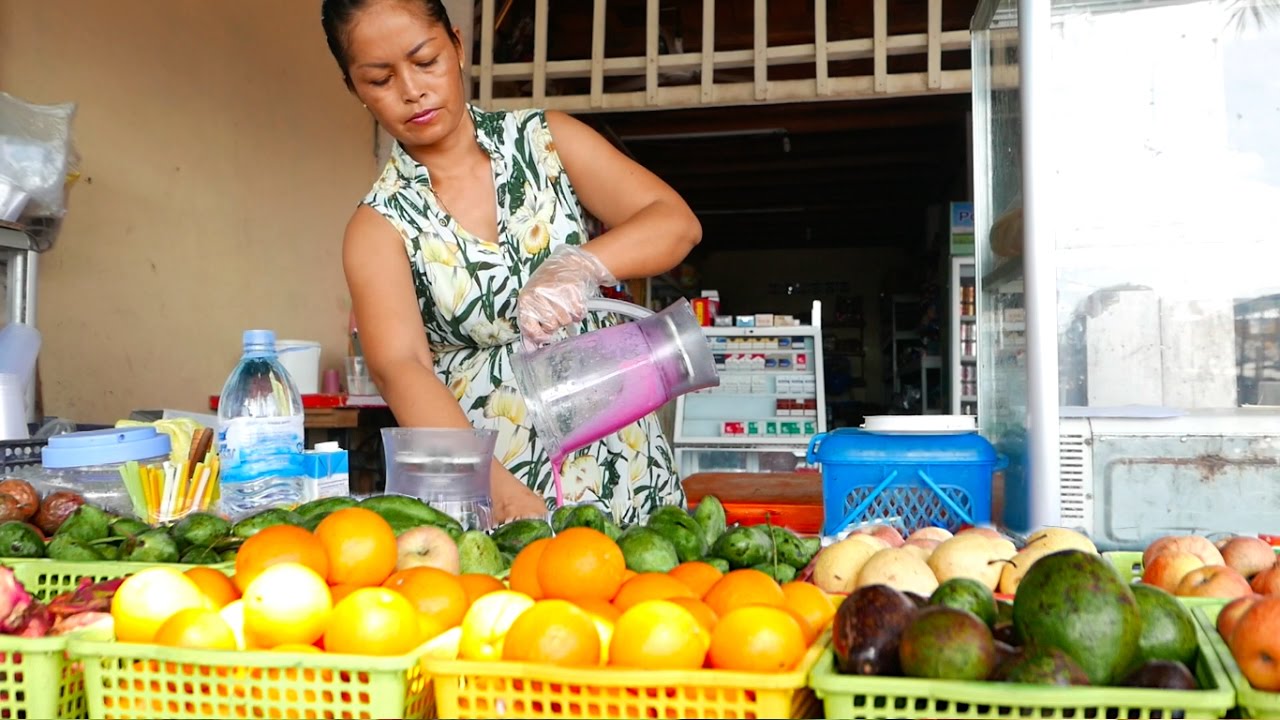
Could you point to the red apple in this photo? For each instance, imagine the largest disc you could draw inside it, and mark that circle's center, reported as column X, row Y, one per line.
column 427, row 546
column 1214, row 581
column 1255, row 644
column 1248, row 555
column 1167, row 570
column 1230, row 615
column 1267, row 582
column 1194, row 544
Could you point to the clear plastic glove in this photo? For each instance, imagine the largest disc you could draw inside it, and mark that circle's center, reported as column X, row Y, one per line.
column 556, row 294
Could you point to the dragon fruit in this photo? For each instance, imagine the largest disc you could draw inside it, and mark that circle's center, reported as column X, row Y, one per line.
column 95, row 625
column 88, row 597
column 15, row 603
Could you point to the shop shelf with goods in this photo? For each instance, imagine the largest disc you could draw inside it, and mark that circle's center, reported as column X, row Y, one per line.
column 770, row 401
column 1123, row 187
column 962, row 350
column 844, row 350
column 915, row 363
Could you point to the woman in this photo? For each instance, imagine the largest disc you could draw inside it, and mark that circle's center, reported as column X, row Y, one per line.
column 475, row 232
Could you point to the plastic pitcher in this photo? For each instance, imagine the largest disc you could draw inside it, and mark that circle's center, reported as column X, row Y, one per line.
column 446, row 467
column 586, row 386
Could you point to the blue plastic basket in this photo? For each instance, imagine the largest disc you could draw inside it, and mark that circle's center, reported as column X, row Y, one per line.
column 941, row 480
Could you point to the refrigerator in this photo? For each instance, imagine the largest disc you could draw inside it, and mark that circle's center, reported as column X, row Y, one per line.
column 768, row 405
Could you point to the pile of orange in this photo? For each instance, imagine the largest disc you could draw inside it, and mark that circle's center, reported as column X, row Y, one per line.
column 335, row 589
column 574, row 603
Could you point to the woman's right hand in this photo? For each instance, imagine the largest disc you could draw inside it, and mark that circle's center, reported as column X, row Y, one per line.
column 512, row 499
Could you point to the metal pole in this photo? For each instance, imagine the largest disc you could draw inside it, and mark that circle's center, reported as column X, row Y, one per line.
column 1041, row 281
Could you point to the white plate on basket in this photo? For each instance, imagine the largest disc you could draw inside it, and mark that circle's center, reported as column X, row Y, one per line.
column 920, row 424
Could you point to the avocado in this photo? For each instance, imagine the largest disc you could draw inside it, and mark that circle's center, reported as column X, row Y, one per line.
column 324, row 506
column 255, row 524
column 200, row 530
column 683, row 532
column 780, row 572
column 86, row 524
column 711, row 517
column 128, row 527
column 744, row 546
column 153, row 546
column 20, row 540
column 1162, row 674
column 967, row 594
column 947, row 644
column 405, row 513
column 647, row 551
column 515, row 535
column 1168, row 630
column 718, row 563
column 867, row 629
column 67, row 548
column 197, row 555
column 588, row 516
column 479, row 554
column 1075, row 601
column 1041, row 666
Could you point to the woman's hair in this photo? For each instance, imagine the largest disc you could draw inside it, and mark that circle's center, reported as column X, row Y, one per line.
column 336, row 16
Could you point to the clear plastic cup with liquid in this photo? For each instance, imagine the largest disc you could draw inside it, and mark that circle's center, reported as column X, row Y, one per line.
column 446, row 467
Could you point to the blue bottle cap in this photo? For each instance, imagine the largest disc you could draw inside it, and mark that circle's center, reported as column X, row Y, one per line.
column 259, row 337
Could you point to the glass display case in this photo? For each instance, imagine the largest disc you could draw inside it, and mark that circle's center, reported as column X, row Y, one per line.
column 1127, row 184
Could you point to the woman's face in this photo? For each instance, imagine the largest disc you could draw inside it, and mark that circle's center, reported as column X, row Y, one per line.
column 405, row 68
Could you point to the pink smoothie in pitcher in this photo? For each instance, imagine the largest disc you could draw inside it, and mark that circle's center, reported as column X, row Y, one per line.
column 642, row 393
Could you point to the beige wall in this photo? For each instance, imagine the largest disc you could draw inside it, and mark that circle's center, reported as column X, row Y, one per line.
column 221, row 159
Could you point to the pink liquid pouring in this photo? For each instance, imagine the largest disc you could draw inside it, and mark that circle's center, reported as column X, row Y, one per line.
column 642, row 392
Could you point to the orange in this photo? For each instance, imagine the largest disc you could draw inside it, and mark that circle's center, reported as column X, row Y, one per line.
column 810, row 605
column 145, row 600
column 199, row 628
column 278, row 544
column 628, row 574
column 215, row 585
column 478, row 584
column 373, row 621
column 704, row 614
column 658, row 635
column 286, row 603
column 739, row 588
column 757, row 639
column 581, row 563
column 361, row 547
column 432, row 592
column 523, row 577
column 340, row 591
column 555, row 632
column 698, row 576
column 600, row 608
column 649, row 586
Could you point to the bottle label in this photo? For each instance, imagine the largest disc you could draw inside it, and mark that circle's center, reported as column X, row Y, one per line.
column 254, row 447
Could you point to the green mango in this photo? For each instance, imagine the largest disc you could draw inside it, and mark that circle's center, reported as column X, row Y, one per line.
column 781, row 572
column 86, row 524
column 711, row 516
column 788, row 548
column 20, row 540
column 646, row 550
column 153, row 546
column 200, row 530
column 200, row 556
column 517, row 534
column 683, row 532
column 744, row 546
column 478, row 553
column 128, row 527
column 68, row 548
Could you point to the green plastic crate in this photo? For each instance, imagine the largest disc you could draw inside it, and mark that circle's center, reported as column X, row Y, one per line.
column 46, row 579
column 1129, row 565
column 135, row 680
column 864, row 696
column 38, row 681
column 1252, row 703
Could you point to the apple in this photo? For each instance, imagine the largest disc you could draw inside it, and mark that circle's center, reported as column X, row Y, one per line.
column 901, row 570
column 1194, row 544
column 930, row 533
column 835, row 570
column 427, row 546
column 1255, row 644
column 1214, row 581
column 1267, row 582
column 1230, row 615
column 972, row 555
column 1248, row 555
column 1167, row 570
column 887, row 533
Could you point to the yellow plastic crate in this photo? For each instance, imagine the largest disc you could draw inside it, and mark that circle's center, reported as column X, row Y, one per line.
column 466, row 689
column 130, row 680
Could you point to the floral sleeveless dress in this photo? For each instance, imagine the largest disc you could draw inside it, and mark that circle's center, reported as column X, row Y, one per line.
column 467, row 288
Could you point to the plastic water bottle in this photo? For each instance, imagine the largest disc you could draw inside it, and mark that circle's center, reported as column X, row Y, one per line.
column 260, row 431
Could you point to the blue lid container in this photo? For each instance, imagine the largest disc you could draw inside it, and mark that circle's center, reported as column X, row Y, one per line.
column 939, row 479
column 110, row 446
